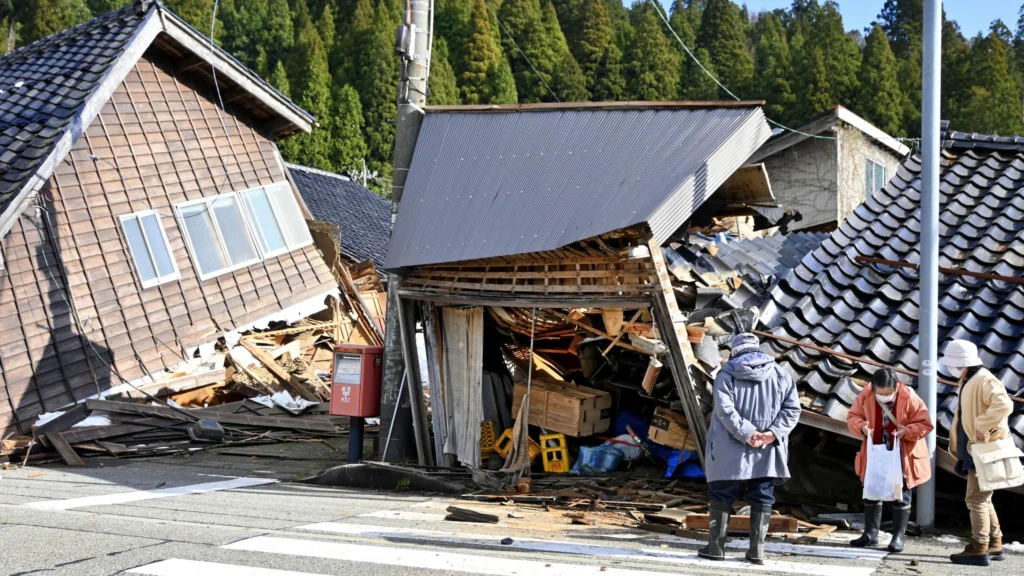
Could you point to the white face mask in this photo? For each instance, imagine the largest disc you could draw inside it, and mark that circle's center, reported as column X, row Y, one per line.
column 956, row 372
column 885, row 399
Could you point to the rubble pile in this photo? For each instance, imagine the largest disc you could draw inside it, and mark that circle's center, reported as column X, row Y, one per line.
column 269, row 386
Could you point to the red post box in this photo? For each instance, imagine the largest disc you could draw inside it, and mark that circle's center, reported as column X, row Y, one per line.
column 355, row 381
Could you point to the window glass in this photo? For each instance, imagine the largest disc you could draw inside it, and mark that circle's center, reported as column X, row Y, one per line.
column 233, row 229
column 262, row 215
column 879, row 176
column 202, row 235
column 140, row 253
column 296, row 232
column 158, row 247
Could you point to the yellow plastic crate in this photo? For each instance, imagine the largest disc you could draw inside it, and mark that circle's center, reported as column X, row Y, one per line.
column 504, row 444
column 555, row 453
column 486, row 439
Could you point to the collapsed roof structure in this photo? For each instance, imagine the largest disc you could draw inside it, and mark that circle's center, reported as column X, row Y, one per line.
column 836, row 299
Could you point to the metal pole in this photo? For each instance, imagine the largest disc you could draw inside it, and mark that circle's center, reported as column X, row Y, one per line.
column 414, row 55
column 929, row 277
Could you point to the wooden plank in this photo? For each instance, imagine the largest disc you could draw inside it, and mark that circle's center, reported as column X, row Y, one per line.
column 431, row 327
column 65, row 450
column 290, row 381
column 539, row 275
column 510, row 300
column 593, row 330
column 672, row 326
column 623, row 332
column 813, row 536
column 742, row 523
column 61, row 423
column 612, row 318
column 360, row 306
column 530, row 288
column 242, row 419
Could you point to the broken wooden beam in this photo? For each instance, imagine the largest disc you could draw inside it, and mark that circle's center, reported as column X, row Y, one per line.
column 289, row 380
column 61, row 423
column 457, row 514
column 67, row 453
column 742, row 523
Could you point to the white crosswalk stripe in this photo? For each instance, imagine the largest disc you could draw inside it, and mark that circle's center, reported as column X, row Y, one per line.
column 474, row 553
column 423, row 559
column 657, row 555
column 176, row 567
column 138, row 495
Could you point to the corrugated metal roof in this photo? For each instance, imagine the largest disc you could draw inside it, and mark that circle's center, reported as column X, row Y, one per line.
column 495, row 182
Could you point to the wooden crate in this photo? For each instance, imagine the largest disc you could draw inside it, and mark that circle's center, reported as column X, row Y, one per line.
column 562, row 407
column 669, row 428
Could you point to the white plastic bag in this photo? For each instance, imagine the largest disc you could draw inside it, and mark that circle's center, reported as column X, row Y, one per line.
column 883, row 480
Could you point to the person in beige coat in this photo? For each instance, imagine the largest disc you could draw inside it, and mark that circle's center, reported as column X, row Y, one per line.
column 982, row 416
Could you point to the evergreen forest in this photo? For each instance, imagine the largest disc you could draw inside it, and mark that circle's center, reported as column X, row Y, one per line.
column 336, row 58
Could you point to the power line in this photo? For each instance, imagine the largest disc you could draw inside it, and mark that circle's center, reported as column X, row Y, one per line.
column 525, row 57
column 781, row 126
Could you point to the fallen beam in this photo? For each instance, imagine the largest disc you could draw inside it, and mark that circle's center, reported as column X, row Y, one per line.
column 65, row 450
column 282, row 423
column 742, row 523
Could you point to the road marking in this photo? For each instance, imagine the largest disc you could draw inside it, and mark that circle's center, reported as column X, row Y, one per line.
column 420, row 559
column 137, row 495
column 839, row 552
column 591, row 550
column 176, row 567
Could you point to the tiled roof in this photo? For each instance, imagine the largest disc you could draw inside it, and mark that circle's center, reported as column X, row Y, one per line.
column 44, row 85
column 872, row 311
column 768, row 256
column 364, row 217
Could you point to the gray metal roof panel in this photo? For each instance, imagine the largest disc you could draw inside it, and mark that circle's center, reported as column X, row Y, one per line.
column 485, row 184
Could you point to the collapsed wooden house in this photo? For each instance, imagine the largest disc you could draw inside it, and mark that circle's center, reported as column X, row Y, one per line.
column 144, row 208
column 553, row 218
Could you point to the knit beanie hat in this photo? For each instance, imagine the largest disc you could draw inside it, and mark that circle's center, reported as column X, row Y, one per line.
column 743, row 343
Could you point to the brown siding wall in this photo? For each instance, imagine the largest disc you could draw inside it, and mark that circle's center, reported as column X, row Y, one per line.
column 169, row 142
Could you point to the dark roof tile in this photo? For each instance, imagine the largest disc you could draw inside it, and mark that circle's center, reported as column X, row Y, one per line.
column 873, row 310
column 364, row 217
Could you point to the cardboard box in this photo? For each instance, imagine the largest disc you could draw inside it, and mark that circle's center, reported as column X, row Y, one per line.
column 669, row 428
column 575, row 411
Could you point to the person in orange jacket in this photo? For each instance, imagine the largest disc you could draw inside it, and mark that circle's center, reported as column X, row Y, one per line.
column 912, row 424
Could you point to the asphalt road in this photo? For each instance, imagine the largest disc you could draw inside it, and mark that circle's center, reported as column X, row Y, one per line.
column 237, row 515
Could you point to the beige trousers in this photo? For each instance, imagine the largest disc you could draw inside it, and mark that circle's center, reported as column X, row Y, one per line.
column 984, row 522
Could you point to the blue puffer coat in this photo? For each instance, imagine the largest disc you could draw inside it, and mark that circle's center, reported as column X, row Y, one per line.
column 752, row 394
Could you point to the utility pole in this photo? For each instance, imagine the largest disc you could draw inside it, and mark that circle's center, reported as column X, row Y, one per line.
column 929, row 275
column 413, row 44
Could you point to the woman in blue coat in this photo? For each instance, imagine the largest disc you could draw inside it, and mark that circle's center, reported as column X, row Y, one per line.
column 756, row 407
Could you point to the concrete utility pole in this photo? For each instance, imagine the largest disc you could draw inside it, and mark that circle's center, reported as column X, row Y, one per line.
column 413, row 43
column 930, row 154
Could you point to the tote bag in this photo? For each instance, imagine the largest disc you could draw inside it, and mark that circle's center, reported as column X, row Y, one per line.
column 883, row 480
column 998, row 464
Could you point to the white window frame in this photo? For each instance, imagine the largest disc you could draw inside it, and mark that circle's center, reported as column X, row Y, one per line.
column 158, row 280
column 220, row 235
column 276, row 209
column 869, row 165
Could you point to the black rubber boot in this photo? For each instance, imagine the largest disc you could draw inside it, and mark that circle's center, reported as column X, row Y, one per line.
column 900, row 519
column 872, row 520
column 718, row 530
column 760, row 515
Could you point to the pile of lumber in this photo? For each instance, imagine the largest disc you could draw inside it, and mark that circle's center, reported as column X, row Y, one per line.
column 129, row 429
